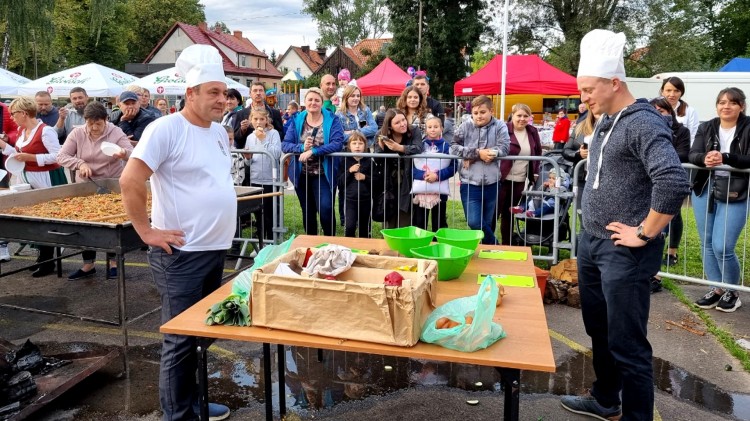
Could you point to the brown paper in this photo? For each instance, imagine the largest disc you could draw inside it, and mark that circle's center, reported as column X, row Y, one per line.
column 358, row 307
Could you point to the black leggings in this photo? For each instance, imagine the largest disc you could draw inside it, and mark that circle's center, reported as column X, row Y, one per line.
column 674, row 230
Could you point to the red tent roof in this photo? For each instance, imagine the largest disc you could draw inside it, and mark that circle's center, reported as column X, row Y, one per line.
column 526, row 75
column 386, row 79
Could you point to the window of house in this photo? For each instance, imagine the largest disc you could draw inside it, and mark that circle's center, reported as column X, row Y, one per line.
column 243, row 61
column 259, row 63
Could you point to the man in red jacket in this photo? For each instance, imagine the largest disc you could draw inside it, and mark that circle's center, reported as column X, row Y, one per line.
column 562, row 129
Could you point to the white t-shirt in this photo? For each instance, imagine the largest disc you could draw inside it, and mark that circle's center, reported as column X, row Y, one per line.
column 725, row 142
column 191, row 187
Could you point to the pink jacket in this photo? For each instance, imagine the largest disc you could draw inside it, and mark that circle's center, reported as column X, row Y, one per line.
column 80, row 148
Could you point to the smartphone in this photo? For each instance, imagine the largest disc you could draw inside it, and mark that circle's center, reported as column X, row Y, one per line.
column 314, row 133
column 362, row 124
column 585, row 146
column 382, row 138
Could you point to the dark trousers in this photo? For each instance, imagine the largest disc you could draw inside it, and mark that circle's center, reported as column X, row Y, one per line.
column 316, row 198
column 436, row 215
column 89, row 256
column 509, row 195
column 615, row 301
column 265, row 222
column 357, row 216
column 674, row 230
column 559, row 145
column 182, row 279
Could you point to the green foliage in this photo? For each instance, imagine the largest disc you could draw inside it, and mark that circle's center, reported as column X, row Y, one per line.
column 481, row 57
column 312, row 81
column 27, row 21
column 151, row 19
column 222, row 27
column 448, row 29
column 343, row 22
column 732, row 31
column 272, row 58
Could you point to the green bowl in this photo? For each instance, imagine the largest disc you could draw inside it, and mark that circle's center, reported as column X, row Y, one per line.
column 451, row 260
column 406, row 238
column 466, row 239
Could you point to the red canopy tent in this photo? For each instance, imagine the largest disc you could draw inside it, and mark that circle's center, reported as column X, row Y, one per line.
column 386, row 79
column 526, row 75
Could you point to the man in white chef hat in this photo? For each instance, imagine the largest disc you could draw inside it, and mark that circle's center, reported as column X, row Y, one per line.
column 194, row 209
column 635, row 185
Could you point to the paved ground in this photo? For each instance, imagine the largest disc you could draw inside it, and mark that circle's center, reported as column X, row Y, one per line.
column 691, row 380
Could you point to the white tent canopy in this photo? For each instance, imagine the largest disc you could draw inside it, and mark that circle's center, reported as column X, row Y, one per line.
column 97, row 80
column 9, row 82
column 168, row 82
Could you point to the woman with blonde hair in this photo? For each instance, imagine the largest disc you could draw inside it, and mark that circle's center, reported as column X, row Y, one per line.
column 414, row 105
column 524, row 141
column 37, row 147
column 356, row 116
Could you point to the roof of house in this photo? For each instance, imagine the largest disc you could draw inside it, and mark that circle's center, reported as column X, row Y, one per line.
column 311, row 58
column 368, row 47
column 240, row 45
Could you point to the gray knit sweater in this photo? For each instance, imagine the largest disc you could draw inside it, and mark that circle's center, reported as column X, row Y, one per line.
column 639, row 171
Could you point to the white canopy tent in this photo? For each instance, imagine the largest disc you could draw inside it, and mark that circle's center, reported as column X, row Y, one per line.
column 9, row 82
column 168, row 82
column 97, row 80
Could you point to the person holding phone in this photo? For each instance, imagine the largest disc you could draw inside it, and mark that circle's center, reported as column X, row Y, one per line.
column 577, row 149
column 314, row 134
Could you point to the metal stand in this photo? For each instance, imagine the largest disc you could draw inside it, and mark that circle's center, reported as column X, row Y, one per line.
column 510, row 378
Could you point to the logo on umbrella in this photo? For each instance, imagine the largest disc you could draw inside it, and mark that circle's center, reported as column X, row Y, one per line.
column 75, row 75
column 50, row 89
column 116, row 75
column 160, row 90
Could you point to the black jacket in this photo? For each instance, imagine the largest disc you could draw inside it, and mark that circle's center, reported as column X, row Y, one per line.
column 240, row 139
column 397, row 173
column 352, row 188
column 706, row 139
column 135, row 126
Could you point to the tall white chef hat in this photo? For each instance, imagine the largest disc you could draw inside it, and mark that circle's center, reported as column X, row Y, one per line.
column 601, row 55
column 200, row 64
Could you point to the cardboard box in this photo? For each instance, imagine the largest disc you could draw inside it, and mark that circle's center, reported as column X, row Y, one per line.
column 361, row 308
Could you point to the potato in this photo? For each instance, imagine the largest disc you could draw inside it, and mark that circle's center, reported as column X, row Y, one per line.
column 469, row 320
column 441, row 322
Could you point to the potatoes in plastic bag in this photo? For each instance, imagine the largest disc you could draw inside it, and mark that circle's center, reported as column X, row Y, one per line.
column 480, row 333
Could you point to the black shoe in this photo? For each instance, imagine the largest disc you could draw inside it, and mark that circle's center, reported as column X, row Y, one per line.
column 43, row 270
column 729, row 302
column 655, row 285
column 669, row 260
column 80, row 274
column 111, row 273
column 710, row 300
column 587, row 405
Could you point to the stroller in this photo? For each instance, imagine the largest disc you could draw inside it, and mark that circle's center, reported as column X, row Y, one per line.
column 533, row 230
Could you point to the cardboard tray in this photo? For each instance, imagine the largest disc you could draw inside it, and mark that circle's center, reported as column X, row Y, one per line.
column 360, row 308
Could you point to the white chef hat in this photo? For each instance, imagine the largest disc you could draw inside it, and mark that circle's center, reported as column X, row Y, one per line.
column 200, row 64
column 601, row 55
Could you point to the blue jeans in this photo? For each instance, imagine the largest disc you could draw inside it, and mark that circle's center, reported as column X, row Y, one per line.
column 719, row 232
column 182, row 279
column 479, row 208
column 316, row 198
column 615, row 301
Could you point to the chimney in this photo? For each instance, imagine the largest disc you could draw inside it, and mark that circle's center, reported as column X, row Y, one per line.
column 306, row 49
column 203, row 26
column 238, row 34
column 322, row 52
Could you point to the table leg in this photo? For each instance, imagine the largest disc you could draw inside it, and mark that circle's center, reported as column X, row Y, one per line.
column 281, row 355
column 202, row 354
column 123, row 316
column 510, row 378
column 267, row 381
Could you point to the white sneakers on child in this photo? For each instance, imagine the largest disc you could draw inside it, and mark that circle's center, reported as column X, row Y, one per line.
column 4, row 254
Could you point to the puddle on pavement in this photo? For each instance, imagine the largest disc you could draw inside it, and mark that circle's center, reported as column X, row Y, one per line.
column 346, row 376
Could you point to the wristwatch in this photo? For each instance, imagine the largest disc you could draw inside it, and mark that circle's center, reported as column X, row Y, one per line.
column 639, row 233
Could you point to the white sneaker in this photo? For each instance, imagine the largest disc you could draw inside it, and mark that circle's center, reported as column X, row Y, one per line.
column 4, row 255
column 289, row 185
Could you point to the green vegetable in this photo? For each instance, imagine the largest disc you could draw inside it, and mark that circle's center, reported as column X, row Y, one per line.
column 233, row 311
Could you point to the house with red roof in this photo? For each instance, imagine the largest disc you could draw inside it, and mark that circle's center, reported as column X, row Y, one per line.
column 352, row 58
column 302, row 60
column 243, row 61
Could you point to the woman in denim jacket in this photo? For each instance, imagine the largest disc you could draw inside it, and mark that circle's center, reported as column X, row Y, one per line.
column 356, row 116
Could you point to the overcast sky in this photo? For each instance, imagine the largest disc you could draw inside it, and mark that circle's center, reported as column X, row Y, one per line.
column 270, row 25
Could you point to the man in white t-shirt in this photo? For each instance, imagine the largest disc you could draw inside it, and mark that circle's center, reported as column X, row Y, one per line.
column 194, row 209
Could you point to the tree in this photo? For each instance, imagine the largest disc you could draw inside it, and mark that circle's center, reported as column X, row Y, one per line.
column 154, row 18
column 343, row 22
column 732, row 31
column 450, row 29
column 272, row 58
column 221, row 27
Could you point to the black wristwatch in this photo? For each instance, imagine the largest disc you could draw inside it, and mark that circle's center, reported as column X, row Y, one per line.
column 639, row 233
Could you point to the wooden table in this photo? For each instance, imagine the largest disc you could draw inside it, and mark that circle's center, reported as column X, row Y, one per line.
column 526, row 347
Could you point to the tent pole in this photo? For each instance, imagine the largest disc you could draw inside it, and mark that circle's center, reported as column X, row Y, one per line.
column 505, row 56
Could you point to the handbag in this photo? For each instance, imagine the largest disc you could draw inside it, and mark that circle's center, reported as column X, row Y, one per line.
column 384, row 207
column 730, row 189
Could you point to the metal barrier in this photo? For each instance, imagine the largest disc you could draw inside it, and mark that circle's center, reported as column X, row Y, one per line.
column 685, row 270
column 455, row 214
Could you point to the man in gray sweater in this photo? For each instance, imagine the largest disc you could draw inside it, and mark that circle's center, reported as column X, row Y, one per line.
column 635, row 186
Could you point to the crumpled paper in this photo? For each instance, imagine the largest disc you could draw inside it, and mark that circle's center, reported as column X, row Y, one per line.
column 330, row 260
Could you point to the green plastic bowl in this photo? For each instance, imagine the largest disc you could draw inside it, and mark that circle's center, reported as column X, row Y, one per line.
column 451, row 260
column 466, row 239
column 406, row 238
